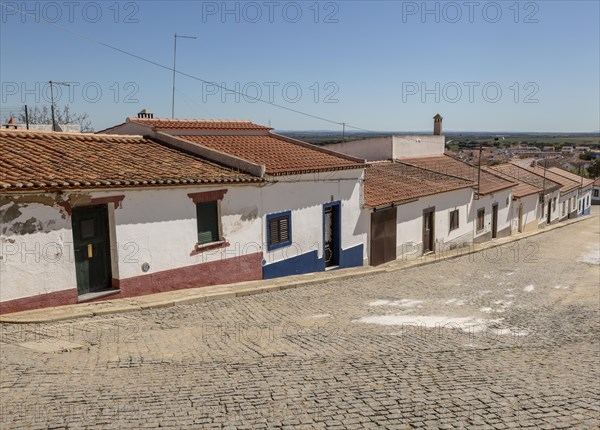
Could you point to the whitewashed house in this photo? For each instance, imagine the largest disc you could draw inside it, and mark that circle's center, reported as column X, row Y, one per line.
column 489, row 210
column 569, row 191
column 525, row 198
column 584, row 191
column 488, row 214
column 596, row 192
column 311, row 203
column 548, row 192
column 412, row 212
column 87, row 216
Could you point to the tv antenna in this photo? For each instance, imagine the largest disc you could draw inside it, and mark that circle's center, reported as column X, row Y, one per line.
column 52, row 83
column 175, row 36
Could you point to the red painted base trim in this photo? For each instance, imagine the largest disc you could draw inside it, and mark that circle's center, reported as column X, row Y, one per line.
column 227, row 271
column 47, row 300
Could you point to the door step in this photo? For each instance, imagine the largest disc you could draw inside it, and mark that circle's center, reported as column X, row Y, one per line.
column 99, row 294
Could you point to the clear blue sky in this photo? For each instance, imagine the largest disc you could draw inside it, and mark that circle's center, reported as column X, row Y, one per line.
column 375, row 65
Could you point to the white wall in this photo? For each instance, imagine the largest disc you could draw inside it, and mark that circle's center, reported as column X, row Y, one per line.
column 409, row 232
column 503, row 199
column 392, row 147
column 305, row 195
column 36, row 248
column 418, row 145
column 155, row 226
column 543, row 212
column 584, row 194
column 374, row 149
column 530, row 207
column 595, row 200
column 159, row 226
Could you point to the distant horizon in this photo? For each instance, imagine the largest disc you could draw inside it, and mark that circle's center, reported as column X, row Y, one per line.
column 425, row 132
column 311, row 65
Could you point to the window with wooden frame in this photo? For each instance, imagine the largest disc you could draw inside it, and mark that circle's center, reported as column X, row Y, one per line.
column 454, row 219
column 207, row 218
column 480, row 219
column 279, row 230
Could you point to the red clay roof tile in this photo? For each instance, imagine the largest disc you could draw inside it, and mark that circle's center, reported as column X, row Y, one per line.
column 278, row 155
column 447, row 165
column 51, row 160
column 392, row 182
column 583, row 182
column 198, row 124
column 566, row 184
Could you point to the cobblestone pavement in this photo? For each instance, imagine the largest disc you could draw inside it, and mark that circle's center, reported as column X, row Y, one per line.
column 505, row 338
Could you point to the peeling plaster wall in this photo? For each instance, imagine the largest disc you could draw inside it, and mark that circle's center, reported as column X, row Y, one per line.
column 36, row 247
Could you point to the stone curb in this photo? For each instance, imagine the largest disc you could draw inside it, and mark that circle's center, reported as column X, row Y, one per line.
column 69, row 312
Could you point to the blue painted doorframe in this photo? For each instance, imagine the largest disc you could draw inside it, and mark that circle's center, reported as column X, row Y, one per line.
column 336, row 231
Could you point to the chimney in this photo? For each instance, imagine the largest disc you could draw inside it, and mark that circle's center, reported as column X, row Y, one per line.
column 145, row 113
column 437, row 125
column 11, row 123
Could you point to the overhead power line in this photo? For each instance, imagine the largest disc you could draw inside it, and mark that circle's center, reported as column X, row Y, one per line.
column 187, row 75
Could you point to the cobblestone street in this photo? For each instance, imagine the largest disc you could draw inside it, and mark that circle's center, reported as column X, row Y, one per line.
column 504, row 338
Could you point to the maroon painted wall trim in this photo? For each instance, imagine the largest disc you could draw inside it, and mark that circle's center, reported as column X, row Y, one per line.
column 46, row 300
column 224, row 271
column 207, row 196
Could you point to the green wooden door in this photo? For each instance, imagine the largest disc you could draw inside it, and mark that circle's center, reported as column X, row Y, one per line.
column 92, row 248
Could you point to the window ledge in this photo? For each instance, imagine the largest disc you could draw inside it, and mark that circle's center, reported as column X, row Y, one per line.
column 199, row 248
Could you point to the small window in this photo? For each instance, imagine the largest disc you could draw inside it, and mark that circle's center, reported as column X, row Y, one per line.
column 454, row 219
column 207, row 216
column 480, row 219
column 596, row 193
column 564, row 208
column 279, row 230
column 554, row 204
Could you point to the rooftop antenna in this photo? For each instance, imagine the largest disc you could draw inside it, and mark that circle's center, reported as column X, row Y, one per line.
column 54, row 125
column 175, row 36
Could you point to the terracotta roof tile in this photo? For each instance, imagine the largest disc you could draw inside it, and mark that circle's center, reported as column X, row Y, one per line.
column 391, row 182
column 584, row 182
column 521, row 188
column 198, row 124
column 447, row 165
column 278, row 155
column 521, row 174
column 566, row 184
column 50, row 160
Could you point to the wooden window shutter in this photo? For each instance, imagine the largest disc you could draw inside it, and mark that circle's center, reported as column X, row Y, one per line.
column 207, row 215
